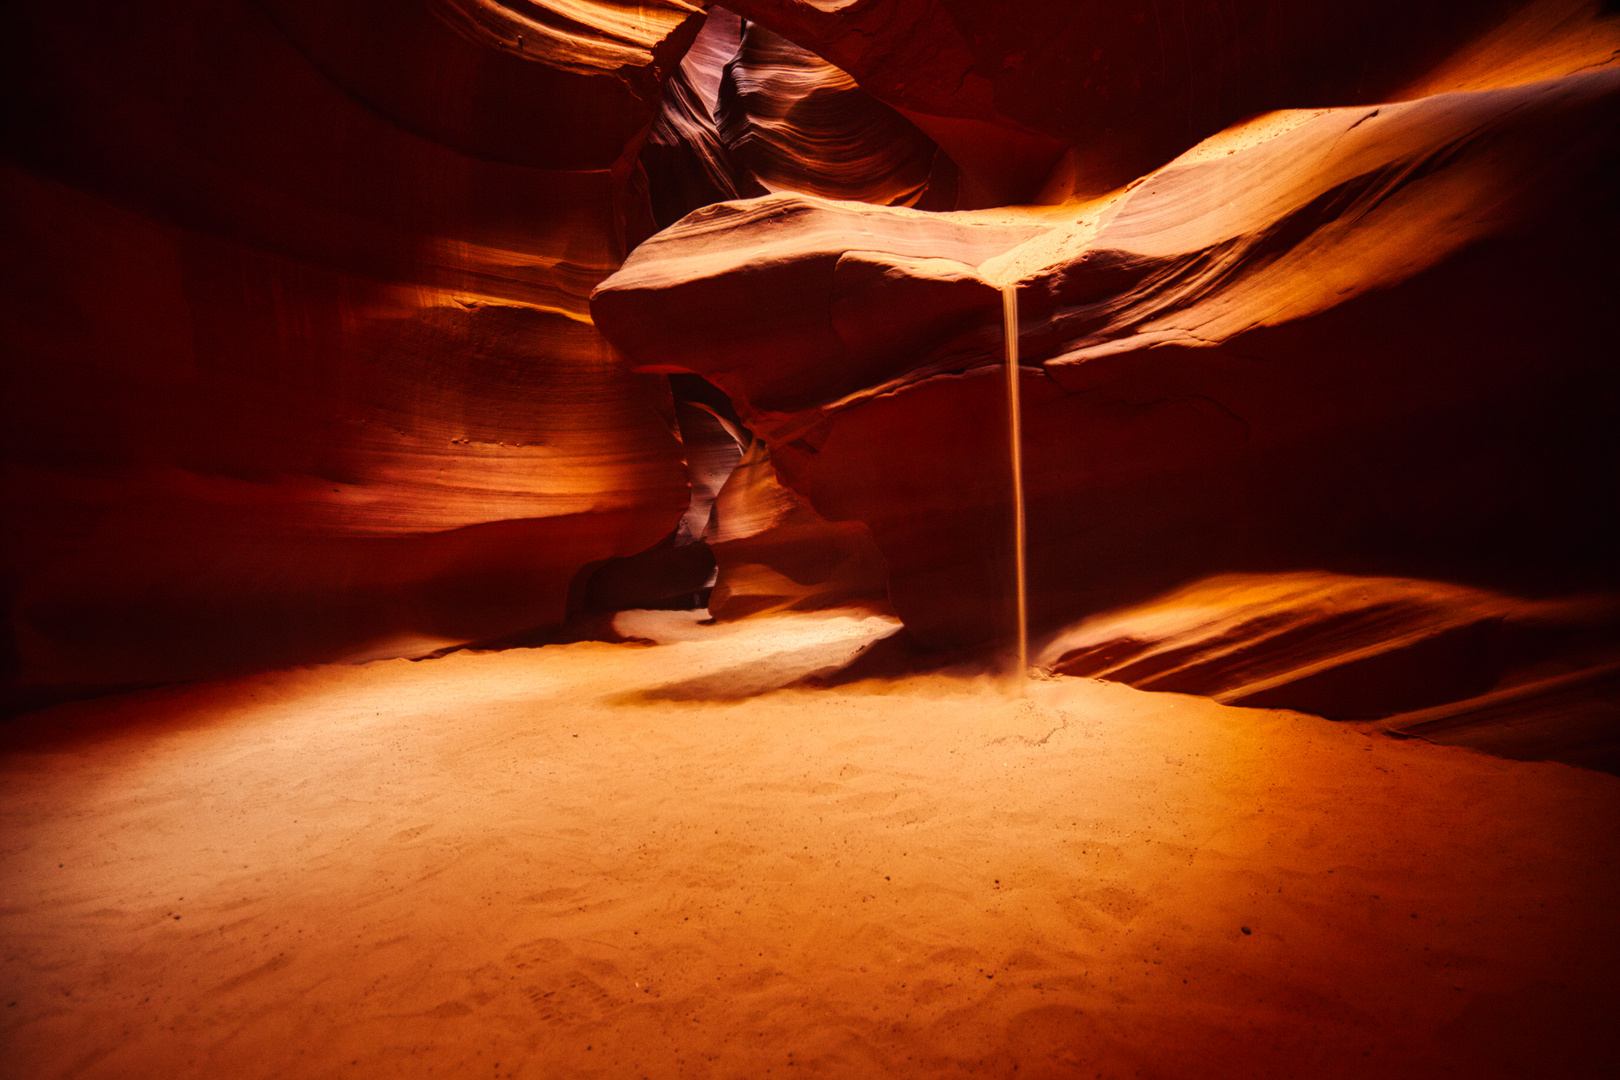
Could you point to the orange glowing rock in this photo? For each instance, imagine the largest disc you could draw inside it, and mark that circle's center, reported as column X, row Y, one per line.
column 800, row 124
column 1531, row 679
column 775, row 553
column 1122, row 88
column 1302, row 345
column 687, row 164
column 302, row 367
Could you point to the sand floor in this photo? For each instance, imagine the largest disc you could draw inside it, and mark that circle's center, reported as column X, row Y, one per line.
column 596, row 860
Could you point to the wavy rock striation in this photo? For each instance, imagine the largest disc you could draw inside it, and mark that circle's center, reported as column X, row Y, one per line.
column 1367, row 340
column 1528, row 679
column 300, row 360
column 800, row 124
column 836, row 297
column 749, row 112
column 775, row 553
column 686, row 162
column 1124, row 87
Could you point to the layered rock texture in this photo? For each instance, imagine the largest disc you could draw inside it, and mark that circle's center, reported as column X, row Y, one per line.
column 1008, row 88
column 1525, row 678
column 749, row 112
column 302, row 364
column 299, row 360
column 1370, row 340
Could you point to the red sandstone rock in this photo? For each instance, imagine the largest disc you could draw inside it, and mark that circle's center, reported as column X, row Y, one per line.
column 1005, row 90
column 1365, row 340
column 302, row 366
column 299, row 363
column 791, row 301
column 485, row 78
column 687, row 164
column 800, row 124
column 1525, row 679
column 774, row 553
column 749, row 112
column 794, row 303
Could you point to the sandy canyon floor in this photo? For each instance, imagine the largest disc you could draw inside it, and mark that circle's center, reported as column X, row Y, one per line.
column 596, row 860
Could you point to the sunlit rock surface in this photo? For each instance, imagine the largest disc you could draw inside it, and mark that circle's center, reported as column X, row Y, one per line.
column 1532, row 679
column 749, row 112
column 790, row 301
column 304, row 367
column 1367, row 340
column 1123, row 87
column 775, row 553
column 800, row 124
column 685, row 162
column 300, row 365
column 1283, row 218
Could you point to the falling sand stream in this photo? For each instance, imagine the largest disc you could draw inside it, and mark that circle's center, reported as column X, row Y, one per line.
column 1015, row 433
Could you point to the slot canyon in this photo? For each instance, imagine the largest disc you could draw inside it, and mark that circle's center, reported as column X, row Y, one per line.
column 515, row 563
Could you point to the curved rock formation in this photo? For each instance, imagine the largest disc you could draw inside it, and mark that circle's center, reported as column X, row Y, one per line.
column 1006, row 91
column 299, row 360
column 687, row 164
column 835, row 297
column 774, row 553
column 1202, row 314
column 1367, row 340
column 303, row 365
column 1533, row 680
column 800, row 124
column 749, row 112
column 1278, row 220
